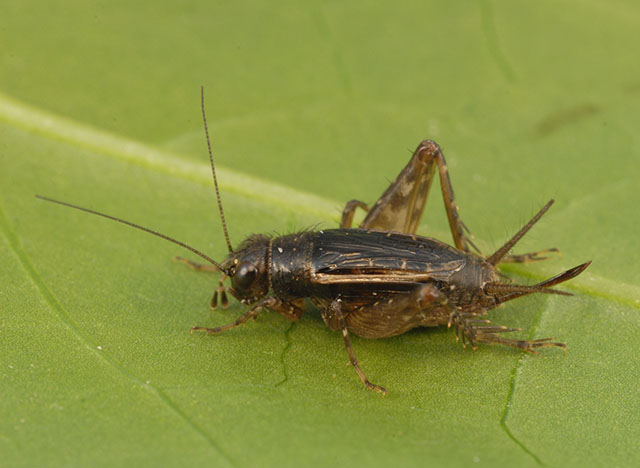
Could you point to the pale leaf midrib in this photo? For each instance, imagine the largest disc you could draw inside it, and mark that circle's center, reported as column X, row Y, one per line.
column 84, row 136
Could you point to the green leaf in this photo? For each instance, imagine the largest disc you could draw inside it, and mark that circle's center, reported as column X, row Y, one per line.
column 310, row 105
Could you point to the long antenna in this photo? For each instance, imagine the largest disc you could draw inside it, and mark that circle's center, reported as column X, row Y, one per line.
column 504, row 250
column 128, row 223
column 213, row 171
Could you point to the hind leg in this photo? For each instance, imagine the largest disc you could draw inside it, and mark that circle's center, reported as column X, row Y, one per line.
column 401, row 206
column 472, row 329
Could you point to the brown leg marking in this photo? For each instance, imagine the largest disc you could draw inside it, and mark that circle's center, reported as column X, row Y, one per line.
column 401, row 206
column 336, row 308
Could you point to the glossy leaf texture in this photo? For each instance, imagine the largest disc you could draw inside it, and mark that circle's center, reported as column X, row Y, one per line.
column 310, row 105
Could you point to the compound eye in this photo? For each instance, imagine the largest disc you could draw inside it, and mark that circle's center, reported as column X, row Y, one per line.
column 245, row 275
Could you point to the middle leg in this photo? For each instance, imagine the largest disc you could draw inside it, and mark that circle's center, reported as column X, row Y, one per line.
column 336, row 310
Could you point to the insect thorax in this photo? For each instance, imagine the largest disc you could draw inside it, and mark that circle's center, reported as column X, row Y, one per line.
column 290, row 265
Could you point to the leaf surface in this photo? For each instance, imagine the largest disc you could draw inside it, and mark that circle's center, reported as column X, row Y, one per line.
column 310, row 106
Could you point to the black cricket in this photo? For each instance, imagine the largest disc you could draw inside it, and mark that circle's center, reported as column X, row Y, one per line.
column 379, row 280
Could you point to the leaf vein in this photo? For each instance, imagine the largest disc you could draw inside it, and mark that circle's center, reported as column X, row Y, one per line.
column 511, row 392
column 287, row 337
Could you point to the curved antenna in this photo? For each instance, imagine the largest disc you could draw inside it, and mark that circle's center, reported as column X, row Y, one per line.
column 128, row 223
column 213, row 171
column 504, row 250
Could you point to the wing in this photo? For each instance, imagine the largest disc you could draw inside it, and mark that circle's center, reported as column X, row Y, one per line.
column 358, row 256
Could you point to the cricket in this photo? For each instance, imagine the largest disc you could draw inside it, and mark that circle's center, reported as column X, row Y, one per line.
column 380, row 279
